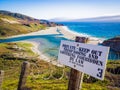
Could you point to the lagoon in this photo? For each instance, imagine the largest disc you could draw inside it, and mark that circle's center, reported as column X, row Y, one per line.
column 48, row 44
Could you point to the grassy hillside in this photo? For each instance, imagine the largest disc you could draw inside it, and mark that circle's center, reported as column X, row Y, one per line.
column 16, row 23
column 12, row 26
column 18, row 15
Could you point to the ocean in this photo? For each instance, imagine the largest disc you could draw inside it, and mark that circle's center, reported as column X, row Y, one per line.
column 49, row 44
column 104, row 30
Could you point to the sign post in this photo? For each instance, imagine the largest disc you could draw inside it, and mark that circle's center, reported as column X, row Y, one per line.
column 1, row 78
column 23, row 76
column 83, row 58
column 76, row 77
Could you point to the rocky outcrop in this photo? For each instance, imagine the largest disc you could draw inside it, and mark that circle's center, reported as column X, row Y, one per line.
column 114, row 43
column 50, row 24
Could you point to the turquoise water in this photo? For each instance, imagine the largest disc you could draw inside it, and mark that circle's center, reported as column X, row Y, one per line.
column 21, row 38
column 49, row 44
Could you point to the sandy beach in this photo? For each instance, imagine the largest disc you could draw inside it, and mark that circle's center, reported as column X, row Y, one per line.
column 48, row 31
column 71, row 35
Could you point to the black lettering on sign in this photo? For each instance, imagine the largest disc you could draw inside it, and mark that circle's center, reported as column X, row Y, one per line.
column 100, row 72
column 97, row 53
column 85, row 50
column 93, row 56
column 71, row 59
column 79, row 60
column 72, row 47
column 65, row 46
column 100, row 52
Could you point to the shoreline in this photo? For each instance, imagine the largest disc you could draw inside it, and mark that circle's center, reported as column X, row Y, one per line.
column 34, row 48
column 92, row 40
column 41, row 56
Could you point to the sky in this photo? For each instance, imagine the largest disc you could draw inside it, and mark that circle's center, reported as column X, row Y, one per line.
column 71, row 9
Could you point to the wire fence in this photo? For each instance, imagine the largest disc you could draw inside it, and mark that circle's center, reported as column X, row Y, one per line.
column 47, row 71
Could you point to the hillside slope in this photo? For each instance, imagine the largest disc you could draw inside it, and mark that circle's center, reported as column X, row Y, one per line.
column 15, row 23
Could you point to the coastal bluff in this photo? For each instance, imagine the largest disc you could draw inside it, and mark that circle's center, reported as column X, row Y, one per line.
column 114, row 43
column 16, row 24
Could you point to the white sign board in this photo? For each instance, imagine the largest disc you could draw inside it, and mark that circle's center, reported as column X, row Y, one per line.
column 87, row 58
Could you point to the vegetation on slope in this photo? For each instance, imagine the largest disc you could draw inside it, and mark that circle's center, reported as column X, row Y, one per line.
column 15, row 23
column 37, row 79
column 17, row 15
column 11, row 26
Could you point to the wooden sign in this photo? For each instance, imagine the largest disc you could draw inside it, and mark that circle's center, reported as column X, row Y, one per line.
column 87, row 58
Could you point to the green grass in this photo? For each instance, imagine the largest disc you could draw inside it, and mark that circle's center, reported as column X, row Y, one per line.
column 114, row 64
column 38, row 81
column 8, row 48
column 8, row 29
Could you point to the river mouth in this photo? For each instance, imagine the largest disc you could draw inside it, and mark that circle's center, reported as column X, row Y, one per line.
column 47, row 44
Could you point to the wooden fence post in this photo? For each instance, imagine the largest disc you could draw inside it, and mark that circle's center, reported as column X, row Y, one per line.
column 76, row 77
column 1, row 78
column 23, row 76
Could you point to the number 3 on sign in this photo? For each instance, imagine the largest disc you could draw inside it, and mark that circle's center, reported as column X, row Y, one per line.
column 100, row 73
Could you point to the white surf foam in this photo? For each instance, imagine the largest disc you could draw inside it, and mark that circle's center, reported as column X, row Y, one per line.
column 83, row 34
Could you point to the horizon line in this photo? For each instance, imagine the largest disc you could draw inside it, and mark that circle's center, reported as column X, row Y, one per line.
column 63, row 17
